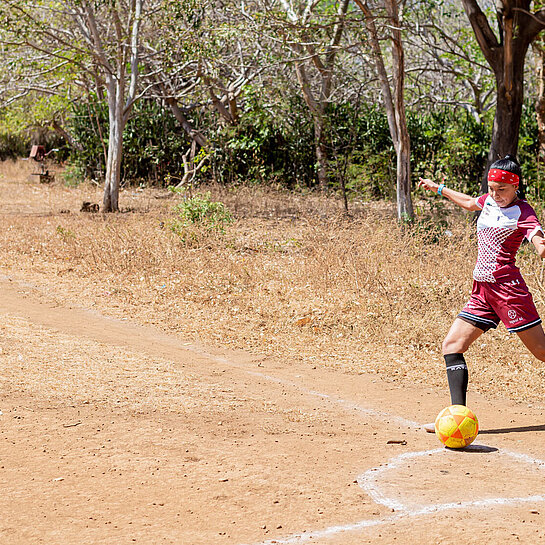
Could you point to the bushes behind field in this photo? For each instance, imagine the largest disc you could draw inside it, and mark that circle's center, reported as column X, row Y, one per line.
column 275, row 145
column 13, row 146
column 153, row 143
column 279, row 148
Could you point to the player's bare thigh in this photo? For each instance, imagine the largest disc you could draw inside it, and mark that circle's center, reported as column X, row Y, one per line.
column 460, row 337
column 534, row 340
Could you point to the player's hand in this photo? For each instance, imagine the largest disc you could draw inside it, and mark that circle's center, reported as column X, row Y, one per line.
column 428, row 184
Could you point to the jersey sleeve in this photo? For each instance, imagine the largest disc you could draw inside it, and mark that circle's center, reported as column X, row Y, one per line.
column 528, row 222
column 480, row 201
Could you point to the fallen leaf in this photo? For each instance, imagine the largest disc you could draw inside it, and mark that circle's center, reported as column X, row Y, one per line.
column 303, row 321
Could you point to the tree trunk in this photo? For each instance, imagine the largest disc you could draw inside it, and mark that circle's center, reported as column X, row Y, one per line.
column 321, row 153
column 539, row 48
column 518, row 27
column 394, row 102
column 317, row 102
column 404, row 201
column 110, row 201
column 506, row 127
column 505, row 131
column 403, row 144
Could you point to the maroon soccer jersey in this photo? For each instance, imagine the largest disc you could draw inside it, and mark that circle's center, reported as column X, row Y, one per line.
column 500, row 232
column 499, row 291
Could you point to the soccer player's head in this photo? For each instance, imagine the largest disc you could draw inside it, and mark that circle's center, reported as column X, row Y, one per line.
column 506, row 171
column 509, row 164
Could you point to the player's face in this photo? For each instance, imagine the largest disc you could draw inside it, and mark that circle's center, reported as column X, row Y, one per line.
column 503, row 194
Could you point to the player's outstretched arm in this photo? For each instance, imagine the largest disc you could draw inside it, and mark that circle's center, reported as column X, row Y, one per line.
column 538, row 240
column 461, row 199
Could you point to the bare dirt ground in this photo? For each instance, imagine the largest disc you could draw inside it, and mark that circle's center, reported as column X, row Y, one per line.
column 116, row 431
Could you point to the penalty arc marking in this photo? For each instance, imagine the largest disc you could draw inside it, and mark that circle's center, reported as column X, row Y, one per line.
column 368, row 481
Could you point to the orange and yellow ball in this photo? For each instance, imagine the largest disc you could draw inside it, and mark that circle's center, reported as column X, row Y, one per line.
column 456, row 426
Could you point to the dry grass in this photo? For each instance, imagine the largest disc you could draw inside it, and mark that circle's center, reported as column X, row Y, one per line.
column 291, row 278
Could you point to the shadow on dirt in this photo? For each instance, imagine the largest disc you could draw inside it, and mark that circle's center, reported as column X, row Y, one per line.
column 519, row 429
column 475, row 448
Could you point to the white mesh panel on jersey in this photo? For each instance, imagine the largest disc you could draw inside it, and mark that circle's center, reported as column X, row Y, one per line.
column 490, row 241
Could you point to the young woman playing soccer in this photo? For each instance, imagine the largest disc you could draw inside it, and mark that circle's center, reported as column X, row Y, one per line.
column 499, row 291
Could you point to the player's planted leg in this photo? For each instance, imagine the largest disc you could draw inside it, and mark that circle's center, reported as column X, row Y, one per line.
column 458, row 378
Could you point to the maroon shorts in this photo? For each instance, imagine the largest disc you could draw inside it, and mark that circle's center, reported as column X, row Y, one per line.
column 509, row 301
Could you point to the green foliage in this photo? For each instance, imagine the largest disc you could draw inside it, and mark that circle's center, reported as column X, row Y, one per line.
column 66, row 235
column 449, row 143
column 88, row 125
column 24, row 124
column 532, row 172
column 73, row 175
column 274, row 144
column 153, row 142
column 13, row 145
column 445, row 142
column 202, row 213
column 278, row 148
column 267, row 146
column 429, row 225
column 362, row 151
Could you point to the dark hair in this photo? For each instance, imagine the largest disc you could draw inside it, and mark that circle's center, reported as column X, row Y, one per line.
column 510, row 164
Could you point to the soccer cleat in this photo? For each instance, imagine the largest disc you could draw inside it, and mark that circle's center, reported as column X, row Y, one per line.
column 429, row 428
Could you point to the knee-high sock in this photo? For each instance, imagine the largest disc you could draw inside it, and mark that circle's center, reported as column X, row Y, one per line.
column 458, row 376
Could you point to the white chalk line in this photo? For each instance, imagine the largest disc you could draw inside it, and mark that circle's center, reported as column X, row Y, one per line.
column 376, row 414
column 380, row 415
column 367, row 481
column 334, row 531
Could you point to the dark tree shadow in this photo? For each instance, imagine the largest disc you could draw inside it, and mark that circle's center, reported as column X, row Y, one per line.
column 518, row 429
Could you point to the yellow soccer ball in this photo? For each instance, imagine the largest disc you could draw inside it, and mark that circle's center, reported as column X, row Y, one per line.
column 456, row 426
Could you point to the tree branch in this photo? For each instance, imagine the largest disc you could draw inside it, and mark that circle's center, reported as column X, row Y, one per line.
column 486, row 38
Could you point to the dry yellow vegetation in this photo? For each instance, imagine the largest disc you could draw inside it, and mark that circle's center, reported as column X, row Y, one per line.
column 292, row 277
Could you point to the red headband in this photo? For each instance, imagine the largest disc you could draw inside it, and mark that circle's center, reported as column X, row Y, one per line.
column 502, row 176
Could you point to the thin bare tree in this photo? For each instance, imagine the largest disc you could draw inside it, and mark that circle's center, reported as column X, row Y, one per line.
column 393, row 96
column 309, row 51
column 100, row 40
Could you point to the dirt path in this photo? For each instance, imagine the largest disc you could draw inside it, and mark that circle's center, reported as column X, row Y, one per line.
column 116, row 433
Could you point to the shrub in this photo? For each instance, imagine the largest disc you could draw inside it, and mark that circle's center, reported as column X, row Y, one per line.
column 13, row 146
column 202, row 213
column 274, row 145
column 266, row 147
column 445, row 141
column 153, row 142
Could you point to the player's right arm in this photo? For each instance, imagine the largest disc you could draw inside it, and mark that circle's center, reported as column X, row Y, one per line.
column 538, row 241
column 461, row 199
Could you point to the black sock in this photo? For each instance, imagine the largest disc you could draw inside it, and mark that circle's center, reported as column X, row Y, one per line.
column 457, row 378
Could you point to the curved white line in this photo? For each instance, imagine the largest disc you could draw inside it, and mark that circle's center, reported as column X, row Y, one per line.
column 368, row 482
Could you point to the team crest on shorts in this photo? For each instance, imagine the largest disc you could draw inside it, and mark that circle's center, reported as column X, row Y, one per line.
column 512, row 314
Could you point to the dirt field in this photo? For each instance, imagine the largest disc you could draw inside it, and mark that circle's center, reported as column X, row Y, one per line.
column 118, row 427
